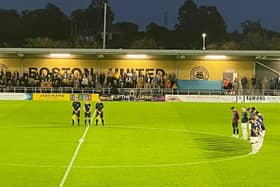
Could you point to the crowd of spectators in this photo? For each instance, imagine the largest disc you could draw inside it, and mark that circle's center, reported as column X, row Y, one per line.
column 110, row 79
column 123, row 79
column 250, row 85
column 274, row 83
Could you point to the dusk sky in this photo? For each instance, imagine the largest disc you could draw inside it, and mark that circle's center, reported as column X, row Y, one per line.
column 143, row 12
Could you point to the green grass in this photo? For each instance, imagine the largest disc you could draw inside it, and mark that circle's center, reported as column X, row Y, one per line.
column 142, row 144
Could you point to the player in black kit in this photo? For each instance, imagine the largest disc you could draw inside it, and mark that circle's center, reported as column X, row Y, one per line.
column 99, row 112
column 87, row 110
column 76, row 107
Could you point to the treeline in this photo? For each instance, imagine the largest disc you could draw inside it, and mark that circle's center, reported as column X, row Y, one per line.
column 51, row 27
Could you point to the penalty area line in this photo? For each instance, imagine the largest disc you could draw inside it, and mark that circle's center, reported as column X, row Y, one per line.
column 73, row 158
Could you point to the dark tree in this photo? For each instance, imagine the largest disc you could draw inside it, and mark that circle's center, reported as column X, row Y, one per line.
column 161, row 35
column 212, row 23
column 256, row 37
column 89, row 21
column 193, row 21
column 254, row 41
column 11, row 28
column 249, row 26
column 144, row 43
column 188, row 25
column 48, row 22
column 123, row 34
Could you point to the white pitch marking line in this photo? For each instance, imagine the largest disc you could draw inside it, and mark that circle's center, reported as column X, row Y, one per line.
column 33, row 165
column 73, row 158
column 137, row 166
column 133, row 166
column 163, row 165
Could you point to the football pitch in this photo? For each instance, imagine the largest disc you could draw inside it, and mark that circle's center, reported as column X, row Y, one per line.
column 142, row 144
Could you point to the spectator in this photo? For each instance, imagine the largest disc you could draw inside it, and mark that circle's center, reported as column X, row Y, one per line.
column 75, row 82
column 110, row 78
column 162, row 80
column 225, row 83
column 140, row 82
column 9, row 83
column 85, row 81
column 65, row 74
column 134, row 79
column 235, row 86
column 90, row 81
column 122, row 79
column 272, row 83
column 172, row 78
column 116, row 78
column 244, row 82
column 1, row 74
column 253, row 84
column 167, row 84
column 95, row 79
column 128, row 79
column 102, row 78
column 157, row 80
column 25, row 80
column 2, row 83
column 278, row 81
column 148, row 81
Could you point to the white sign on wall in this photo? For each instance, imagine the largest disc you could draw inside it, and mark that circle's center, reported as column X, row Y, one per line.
column 201, row 98
column 222, row 99
column 15, row 96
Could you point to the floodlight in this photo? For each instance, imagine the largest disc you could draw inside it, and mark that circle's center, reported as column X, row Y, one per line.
column 60, row 55
column 136, row 56
column 215, row 57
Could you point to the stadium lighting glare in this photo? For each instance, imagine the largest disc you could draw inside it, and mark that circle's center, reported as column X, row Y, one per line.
column 60, row 55
column 204, row 41
column 136, row 56
column 215, row 57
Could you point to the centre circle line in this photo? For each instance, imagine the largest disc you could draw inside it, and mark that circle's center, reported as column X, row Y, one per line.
column 132, row 166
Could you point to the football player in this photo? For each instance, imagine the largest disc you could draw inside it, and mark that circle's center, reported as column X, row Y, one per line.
column 99, row 112
column 235, row 120
column 254, row 139
column 244, row 123
column 87, row 110
column 76, row 107
column 260, row 121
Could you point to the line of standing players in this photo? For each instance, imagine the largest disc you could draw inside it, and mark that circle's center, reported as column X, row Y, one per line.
column 76, row 108
column 253, row 121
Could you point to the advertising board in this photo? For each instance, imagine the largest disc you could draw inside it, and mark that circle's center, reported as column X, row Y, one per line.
column 51, row 97
column 15, row 96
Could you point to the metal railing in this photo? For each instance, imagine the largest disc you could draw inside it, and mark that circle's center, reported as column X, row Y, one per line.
column 102, row 91
column 135, row 91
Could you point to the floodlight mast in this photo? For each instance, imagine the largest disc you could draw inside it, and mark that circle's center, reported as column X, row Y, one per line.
column 105, row 25
column 204, row 41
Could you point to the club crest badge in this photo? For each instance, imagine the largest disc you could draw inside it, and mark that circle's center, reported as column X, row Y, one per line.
column 3, row 67
column 199, row 73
